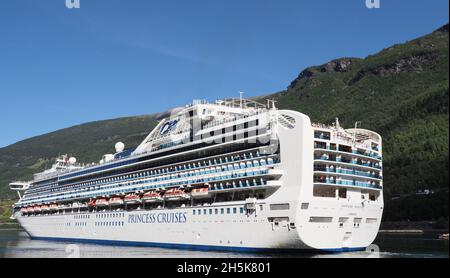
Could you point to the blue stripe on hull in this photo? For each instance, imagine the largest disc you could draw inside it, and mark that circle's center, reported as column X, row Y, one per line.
column 195, row 247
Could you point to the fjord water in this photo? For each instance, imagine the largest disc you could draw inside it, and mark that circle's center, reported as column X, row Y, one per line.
column 15, row 243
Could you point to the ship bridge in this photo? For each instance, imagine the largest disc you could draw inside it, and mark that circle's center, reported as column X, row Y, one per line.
column 19, row 186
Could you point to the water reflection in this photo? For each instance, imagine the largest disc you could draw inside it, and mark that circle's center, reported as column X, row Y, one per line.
column 16, row 243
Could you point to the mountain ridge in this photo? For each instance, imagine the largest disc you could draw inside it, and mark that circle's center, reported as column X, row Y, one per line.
column 400, row 92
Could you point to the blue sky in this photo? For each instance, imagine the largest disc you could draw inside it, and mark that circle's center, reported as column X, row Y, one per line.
column 115, row 58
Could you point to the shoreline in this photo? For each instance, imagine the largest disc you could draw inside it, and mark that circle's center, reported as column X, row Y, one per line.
column 412, row 231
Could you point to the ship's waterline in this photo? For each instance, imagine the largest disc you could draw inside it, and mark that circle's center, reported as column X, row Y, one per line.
column 231, row 175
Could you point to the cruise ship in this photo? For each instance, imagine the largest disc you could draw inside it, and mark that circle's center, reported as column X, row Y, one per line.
column 231, row 175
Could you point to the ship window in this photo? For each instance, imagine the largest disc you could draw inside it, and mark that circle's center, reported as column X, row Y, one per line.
column 357, row 220
column 234, row 210
column 343, row 219
column 193, row 212
column 279, row 206
column 216, row 211
column 204, row 212
column 199, row 212
column 324, row 191
column 342, row 193
column 371, row 220
column 210, row 211
column 319, row 219
column 228, row 210
column 320, row 145
column 322, row 135
column 241, row 210
column 222, row 211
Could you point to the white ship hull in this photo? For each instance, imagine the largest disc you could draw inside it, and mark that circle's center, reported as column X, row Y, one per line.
column 220, row 232
column 299, row 186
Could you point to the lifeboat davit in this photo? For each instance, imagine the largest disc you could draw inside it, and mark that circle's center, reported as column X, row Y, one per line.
column 91, row 203
column 116, row 201
column 151, row 197
column 102, row 203
column 176, row 194
column 132, row 199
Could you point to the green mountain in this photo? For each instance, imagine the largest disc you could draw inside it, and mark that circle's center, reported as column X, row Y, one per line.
column 400, row 92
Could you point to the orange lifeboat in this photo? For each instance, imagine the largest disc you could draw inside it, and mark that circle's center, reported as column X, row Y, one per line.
column 45, row 208
column 23, row 210
column 116, row 201
column 151, row 196
column 30, row 209
column 102, row 202
column 132, row 199
column 37, row 209
column 176, row 194
column 201, row 192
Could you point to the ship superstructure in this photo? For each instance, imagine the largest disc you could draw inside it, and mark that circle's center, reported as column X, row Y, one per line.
column 232, row 175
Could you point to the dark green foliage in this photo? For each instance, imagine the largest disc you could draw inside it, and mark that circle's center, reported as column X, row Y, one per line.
column 87, row 142
column 401, row 93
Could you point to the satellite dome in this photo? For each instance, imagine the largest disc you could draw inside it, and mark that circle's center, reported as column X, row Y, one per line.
column 72, row 160
column 120, row 147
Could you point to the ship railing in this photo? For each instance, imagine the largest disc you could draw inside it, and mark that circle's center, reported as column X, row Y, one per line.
column 324, row 158
column 347, row 184
column 349, row 153
column 133, row 186
column 207, row 162
column 161, row 179
column 228, row 120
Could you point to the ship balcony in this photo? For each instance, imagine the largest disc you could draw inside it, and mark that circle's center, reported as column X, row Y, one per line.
column 233, row 176
column 346, row 183
column 235, row 162
column 246, row 185
column 347, row 162
column 326, row 169
column 353, row 153
column 349, row 175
